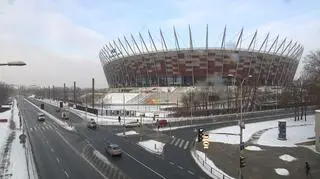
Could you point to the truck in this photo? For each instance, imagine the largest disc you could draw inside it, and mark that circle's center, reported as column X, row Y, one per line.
column 65, row 115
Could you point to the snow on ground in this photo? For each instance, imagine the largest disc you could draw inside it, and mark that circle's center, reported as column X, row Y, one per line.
column 152, row 146
column 282, row 171
column 18, row 163
column 287, row 158
column 118, row 98
column 253, row 148
column 251, row 128
column 294, row 135
column 199, row 158
column 58, row 121
column 4, row 126
column 127, row 133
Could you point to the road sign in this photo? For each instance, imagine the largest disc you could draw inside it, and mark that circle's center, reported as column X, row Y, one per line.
column 205, row 141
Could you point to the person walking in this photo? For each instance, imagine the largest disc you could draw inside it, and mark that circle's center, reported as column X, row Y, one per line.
column 307, row 170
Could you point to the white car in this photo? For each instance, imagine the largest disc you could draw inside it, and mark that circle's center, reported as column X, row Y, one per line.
column 132, row 124
column 41, row 117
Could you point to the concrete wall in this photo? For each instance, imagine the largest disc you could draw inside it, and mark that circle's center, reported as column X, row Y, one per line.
column 317, row 129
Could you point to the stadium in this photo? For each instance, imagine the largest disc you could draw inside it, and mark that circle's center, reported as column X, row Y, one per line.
column 167, row 72
column 128, row 64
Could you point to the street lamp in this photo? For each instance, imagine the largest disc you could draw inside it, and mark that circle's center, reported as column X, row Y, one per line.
column 13, row 63
column 241, row 125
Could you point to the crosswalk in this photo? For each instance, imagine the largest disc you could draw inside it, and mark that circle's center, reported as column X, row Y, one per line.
column 180, row 143
column 43, row 127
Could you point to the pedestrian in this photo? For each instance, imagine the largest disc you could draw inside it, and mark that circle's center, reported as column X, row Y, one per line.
column 307, row 169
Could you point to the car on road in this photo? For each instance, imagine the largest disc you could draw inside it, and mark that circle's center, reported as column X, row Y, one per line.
column 65, row 115
column 132, row 124
column 92, row 124
column 58, row 110
column 41, row 117
column 162, row 123
column 113, row 149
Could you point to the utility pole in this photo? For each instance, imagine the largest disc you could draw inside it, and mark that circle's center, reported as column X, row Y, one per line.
column 64, row 92
column 241, row 125
column 74, row 92
column 92, row 93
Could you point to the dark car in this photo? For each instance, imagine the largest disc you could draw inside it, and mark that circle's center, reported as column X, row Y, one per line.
column 92, row 125
column 113, row 149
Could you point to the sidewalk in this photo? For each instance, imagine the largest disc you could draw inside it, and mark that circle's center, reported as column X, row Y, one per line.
column 15, row 157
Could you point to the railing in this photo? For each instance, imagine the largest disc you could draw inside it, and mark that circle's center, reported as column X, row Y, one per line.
column 211, row 170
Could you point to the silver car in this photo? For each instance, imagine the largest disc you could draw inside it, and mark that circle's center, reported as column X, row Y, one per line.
column 113, row 150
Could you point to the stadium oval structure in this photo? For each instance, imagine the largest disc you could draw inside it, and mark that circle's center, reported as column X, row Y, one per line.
column 128, row 64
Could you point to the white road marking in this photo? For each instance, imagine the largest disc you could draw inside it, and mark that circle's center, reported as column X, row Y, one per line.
column 66, row 173
column 175, row 144
column 51, row 149
column 181, row 143
column 180, row 167
column 144, row 165
column 186, row 145
column 58, row 160
column 171, row 163
column 172, row 141
column 190, row 172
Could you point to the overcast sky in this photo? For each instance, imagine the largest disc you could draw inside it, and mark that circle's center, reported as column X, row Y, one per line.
column 60, row 39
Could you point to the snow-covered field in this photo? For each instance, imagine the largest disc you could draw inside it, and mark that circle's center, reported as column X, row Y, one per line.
column 297, row 131
column 199, row 157
column 127, row 133
column 152, row 146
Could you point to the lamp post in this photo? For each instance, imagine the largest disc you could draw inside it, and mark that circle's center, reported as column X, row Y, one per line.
column 13, row 63
column 241, row 124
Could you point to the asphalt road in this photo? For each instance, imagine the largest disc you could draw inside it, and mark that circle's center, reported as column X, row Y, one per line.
column 53, row 157
column 135, row 161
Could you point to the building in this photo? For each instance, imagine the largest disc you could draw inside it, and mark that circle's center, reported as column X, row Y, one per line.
column 273, row 62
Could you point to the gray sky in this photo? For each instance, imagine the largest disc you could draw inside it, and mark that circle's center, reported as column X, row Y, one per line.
column 60, row 40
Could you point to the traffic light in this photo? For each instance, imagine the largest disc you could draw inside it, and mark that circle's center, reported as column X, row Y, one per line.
column 242, row 162
column 200, row 134
column 241, row 145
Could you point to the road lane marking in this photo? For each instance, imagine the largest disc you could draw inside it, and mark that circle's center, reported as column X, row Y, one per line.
column 175, row 144
column 81, row 155
column 58, row 160
column 145, row 165
column 171, row 163
column 190, row 172
column 66, row 173
column 181, row 143
column 180, row 167
column 51, row 149
column 172, row 141
column 186, row 145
